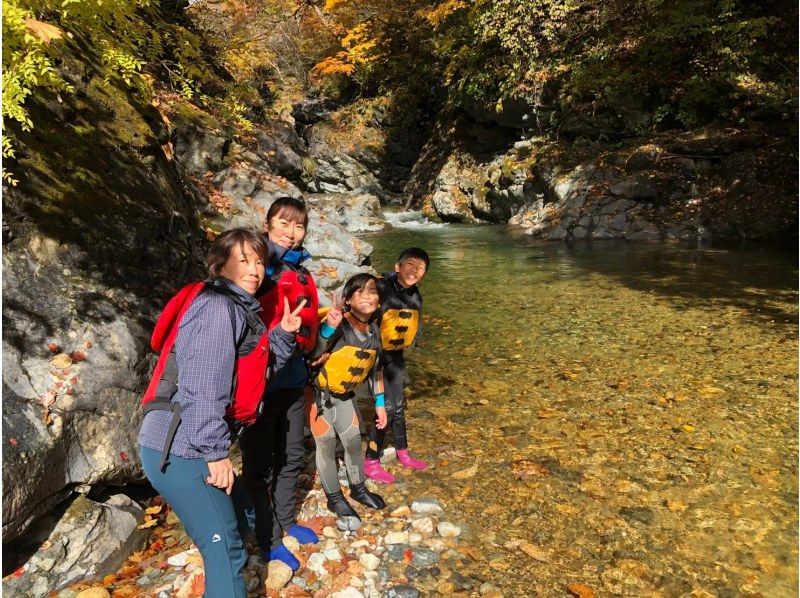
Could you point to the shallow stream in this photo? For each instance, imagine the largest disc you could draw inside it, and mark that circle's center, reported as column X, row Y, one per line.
column 628, row 411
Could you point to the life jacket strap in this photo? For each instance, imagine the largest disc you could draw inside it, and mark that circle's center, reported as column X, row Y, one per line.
column 175, row 421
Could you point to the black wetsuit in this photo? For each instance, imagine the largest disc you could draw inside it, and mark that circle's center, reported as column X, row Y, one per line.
column 407, row 303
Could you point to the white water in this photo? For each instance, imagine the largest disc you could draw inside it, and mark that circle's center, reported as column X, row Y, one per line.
column 411, row 219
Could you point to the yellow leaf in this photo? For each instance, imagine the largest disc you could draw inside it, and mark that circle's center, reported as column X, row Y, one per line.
column 153, row 510
column 710, row 391
column 61, row 361
column 148, row 523
column 688, row 428
column 43, row 31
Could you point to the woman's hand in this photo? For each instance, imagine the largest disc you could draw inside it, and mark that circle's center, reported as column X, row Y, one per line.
column 334, row 317
column 290, row 322
column 382, row 417
column 221, row 474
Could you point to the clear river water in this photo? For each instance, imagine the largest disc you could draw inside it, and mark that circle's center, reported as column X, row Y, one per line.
column 619, row 416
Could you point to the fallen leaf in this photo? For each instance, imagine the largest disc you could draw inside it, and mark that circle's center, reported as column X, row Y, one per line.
column 568, row 375
column 534, row 552
column 150, row 510
column 148, row 523
column 580, row 590
column 62, row 360
column 465, row 473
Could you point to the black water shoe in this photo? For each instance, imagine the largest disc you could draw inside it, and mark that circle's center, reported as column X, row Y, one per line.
column 359, row 492
column 338, row 504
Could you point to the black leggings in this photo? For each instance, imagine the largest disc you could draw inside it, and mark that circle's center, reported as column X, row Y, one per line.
column 394, row 367
column 272, row 457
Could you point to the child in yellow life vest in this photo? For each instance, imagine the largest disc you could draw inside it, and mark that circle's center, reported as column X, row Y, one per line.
column 400, row 318
column 347, row 354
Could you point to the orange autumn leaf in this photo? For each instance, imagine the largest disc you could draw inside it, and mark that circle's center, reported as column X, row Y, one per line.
column 43, row 31
column 198, row 586
column 580, row 590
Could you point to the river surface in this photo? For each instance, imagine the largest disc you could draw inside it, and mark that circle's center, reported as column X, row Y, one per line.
column 629, row 411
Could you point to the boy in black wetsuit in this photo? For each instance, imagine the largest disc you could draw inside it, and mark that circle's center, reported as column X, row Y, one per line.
column 400, row 319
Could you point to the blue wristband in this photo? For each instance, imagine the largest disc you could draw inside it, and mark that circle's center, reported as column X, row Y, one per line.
column 380, row 400
column 326, row 330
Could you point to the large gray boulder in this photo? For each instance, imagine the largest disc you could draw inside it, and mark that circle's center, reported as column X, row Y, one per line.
column 98, row 233
column 90, row 541
column 356, row 213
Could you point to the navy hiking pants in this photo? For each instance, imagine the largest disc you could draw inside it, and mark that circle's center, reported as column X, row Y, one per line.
column 214, row 521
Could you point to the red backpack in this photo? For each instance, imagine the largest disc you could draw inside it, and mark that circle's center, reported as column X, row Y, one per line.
column 250, row 370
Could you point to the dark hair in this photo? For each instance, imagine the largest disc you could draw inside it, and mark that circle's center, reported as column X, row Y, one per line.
column 288, row 207
column 222, row 247
column 358, row 282
column 417, row 253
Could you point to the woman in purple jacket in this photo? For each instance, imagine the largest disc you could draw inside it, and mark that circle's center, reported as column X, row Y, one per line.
column 198, row 479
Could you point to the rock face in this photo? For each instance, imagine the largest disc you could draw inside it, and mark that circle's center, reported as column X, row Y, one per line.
column 88, row 259
column 665, row 189
column 91, row 540
column 355, row 213
column 362, row 148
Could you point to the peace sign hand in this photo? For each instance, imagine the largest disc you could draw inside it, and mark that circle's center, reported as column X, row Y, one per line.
column 290, row 321
column 334, row 317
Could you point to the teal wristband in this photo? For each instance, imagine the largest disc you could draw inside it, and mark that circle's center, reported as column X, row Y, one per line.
column 380, row 400
column 326, row 330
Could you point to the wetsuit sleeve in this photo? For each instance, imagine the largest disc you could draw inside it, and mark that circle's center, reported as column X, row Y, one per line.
column 206, row 354
column 282, row 345
column 324, row 335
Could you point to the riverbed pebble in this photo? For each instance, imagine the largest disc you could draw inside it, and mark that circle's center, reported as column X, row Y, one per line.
column 427, row 505
column 448, row 530
column 396, row 538
column 278, row 575
column 423, row 525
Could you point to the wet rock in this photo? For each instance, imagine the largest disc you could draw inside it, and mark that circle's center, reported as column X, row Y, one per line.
column 94, row 593
column 423, row 525
column 427, row 505
column 402, row 591
column 329, row 532
column 348, row 592
column 333, row 554
column 448, row 530
column 638, row 514
column 91, row 540
column 403, row 511
column 396, row 538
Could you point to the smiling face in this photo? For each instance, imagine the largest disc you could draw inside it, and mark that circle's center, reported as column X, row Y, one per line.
column 244, row 267
column 364, row 302
column 410, row 271
column 285, row 231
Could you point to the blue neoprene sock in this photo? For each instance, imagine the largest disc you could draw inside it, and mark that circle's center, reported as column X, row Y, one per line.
column 303, row 534
column 281, row 553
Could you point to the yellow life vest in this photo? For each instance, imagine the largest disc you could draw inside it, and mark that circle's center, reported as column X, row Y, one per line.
column 399, row 328
column 351, row 360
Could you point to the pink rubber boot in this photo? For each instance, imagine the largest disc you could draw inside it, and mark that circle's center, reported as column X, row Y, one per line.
column 406, row 460
column 373, row 470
